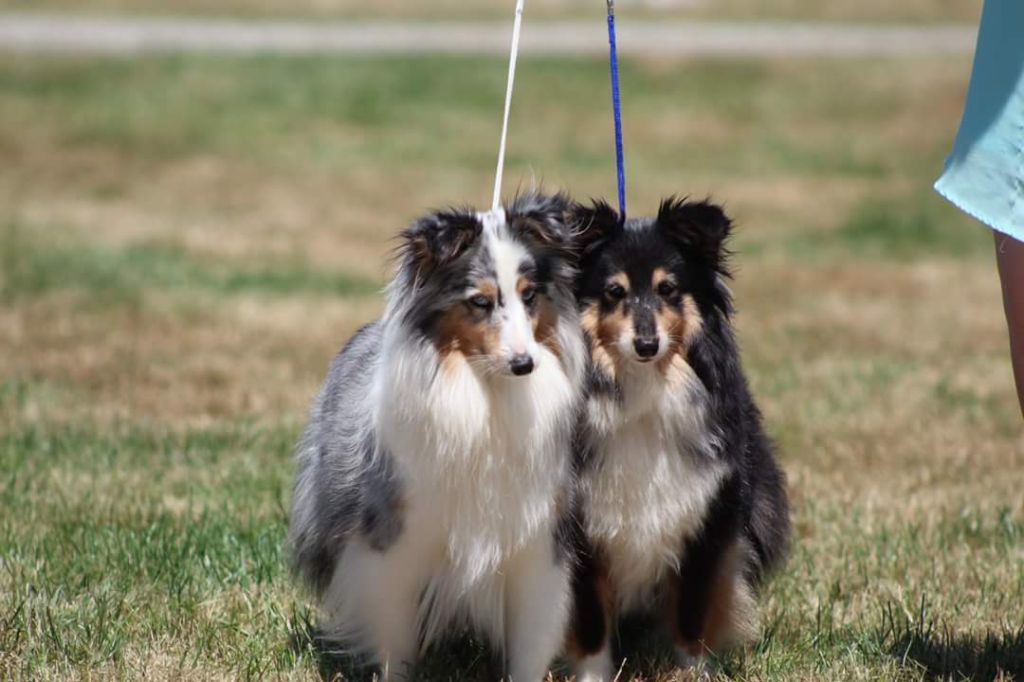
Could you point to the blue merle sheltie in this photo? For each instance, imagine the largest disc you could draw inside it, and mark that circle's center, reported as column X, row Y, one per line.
column 681, row 506
column 433, row 475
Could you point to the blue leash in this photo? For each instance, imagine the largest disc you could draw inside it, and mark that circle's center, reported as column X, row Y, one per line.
column 617, row 109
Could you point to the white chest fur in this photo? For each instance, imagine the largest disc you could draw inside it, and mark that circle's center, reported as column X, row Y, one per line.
column 482, row 461
column 653, row 476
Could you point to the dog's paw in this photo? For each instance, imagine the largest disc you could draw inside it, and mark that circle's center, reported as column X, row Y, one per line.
column 596, row 668
column 696, row 666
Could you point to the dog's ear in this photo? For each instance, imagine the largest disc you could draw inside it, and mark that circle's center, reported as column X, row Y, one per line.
column 699, row 228
column 593, row 225
column 542, row 219
column 439, row 239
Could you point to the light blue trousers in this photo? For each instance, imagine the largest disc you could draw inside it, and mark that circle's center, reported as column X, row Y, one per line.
column 984, row 175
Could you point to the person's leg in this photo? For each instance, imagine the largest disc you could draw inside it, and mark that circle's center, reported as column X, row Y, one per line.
column 1010, row 258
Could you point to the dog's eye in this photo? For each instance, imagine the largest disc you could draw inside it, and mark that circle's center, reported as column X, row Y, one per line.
column 480, row 301
column 529, row 294
column 615, row 292
column 666, row 289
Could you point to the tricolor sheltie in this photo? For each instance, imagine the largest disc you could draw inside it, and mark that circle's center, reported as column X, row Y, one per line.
column 433, row 476
column 681, row 506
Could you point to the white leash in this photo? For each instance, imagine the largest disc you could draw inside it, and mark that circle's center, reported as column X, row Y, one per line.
column 513, row 57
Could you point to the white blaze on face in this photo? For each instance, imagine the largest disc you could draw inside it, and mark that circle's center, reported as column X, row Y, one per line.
column 507, row 257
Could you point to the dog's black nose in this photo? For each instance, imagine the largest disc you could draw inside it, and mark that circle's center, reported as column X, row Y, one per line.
column 521, row 365
column 646, row 347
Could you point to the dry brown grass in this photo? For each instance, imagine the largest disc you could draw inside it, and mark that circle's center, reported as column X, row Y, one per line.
column 174, row 363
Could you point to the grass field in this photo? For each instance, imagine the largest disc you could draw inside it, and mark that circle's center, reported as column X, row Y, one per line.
column 832, row 10
column 184, row 242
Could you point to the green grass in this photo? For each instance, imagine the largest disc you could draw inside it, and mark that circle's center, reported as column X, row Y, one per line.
column 99, row 577
column 35, row 268
column 890, row 230
column 360, row 107
column 882, row 230
column 393, row 109
column 694, row 125
column 185, row 243
column 175, row 558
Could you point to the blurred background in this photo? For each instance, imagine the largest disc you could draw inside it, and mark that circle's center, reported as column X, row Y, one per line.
column 190, row 227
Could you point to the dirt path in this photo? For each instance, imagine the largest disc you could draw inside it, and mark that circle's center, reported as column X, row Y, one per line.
column 115, row 35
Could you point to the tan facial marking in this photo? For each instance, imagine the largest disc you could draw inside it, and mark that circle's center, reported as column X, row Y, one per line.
column 673, row 323
column 544, row 317
column 590, row 320
column 682, row 328
column 462, row 333
column 612, row 325
column 522, row 284
column 661, row 275
column 545, row 325
column 590, row 317
column 605, row 329
column 489, row 288
column 620, row 278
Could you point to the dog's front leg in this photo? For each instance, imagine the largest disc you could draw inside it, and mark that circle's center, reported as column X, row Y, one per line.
column 388, row 585
column 709, row 589
column 589, row 639
column 536, row 609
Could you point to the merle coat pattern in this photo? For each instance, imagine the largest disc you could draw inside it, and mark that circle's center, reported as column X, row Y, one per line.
column 433, row 476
